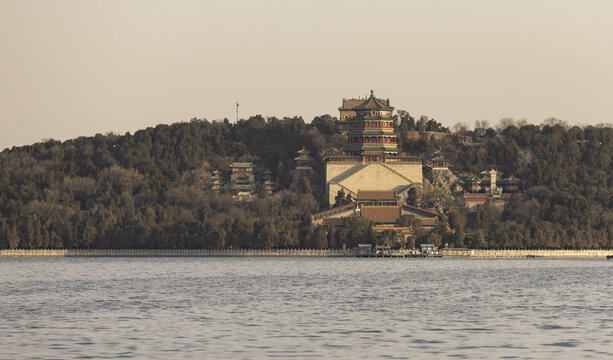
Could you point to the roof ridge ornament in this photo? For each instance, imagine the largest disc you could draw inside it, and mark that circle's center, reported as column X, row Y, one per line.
column 372, row 93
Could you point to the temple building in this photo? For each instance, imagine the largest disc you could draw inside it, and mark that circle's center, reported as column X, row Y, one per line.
column 267, row 180
column 371, row 131
column 242, row 179
column 304, row 161
column 488, row 186
column 372, row 160
column 381, row 207
column 439, row 162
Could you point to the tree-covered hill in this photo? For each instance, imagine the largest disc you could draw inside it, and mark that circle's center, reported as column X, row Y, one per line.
column 569, row 174
column 152, row 188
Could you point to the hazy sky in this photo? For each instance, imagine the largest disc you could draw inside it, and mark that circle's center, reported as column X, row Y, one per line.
column 73, row 68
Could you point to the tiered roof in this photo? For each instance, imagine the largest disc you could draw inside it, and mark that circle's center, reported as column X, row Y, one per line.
column 267, row 174
column 267, row 180
column 488, row 172
column 511, row 179
column 371, row 131
column 303, row 154
column 242, row 165
column 373, row 103
column 217, row 178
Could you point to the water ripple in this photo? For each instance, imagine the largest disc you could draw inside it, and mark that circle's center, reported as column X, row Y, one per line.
column 220, row 308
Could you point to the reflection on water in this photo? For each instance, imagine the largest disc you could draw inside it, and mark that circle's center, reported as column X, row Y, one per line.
column 305, row 307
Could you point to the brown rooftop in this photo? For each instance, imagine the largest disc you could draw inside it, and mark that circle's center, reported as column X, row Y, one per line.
column 381, row 214
column 380, row 195
column 334, row 221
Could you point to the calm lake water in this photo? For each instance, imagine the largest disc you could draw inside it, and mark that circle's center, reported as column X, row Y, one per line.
column 164, row 308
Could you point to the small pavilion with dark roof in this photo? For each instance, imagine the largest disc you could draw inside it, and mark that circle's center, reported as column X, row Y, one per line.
column 304, row 161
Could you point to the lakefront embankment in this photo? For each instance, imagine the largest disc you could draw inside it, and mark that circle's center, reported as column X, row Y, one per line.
column 457, row 253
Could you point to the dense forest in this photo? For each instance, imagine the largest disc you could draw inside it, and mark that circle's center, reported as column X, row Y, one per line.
column 152, row 189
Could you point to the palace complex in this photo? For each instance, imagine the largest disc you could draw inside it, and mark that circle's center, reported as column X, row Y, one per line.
column 488, row 186
column 242, row 180
column 372, row 160
column 373, row 171
column 373, row 178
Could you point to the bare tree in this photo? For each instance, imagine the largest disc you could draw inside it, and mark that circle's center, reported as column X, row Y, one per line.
column 505, row 123
column 480, row 127
column 554, row 121
column 460, row 128
column 482, row 124
column 521, row 122
column 604, row 125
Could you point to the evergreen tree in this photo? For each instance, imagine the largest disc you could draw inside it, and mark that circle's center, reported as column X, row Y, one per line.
column 459, row 237
column 479, row 241
column 320, row 238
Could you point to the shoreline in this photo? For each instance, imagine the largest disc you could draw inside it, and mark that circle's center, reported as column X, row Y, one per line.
column 456, row 253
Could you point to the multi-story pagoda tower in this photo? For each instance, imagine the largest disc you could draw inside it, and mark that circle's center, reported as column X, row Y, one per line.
column 269, row 185
column 242, row 179
column 217, row 180
column 372, row 160
column 304, row 161
column 371, row 131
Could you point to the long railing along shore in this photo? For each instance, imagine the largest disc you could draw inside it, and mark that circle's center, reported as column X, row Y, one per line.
column 555, row 253
column 170, row 253
column 451, row 253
